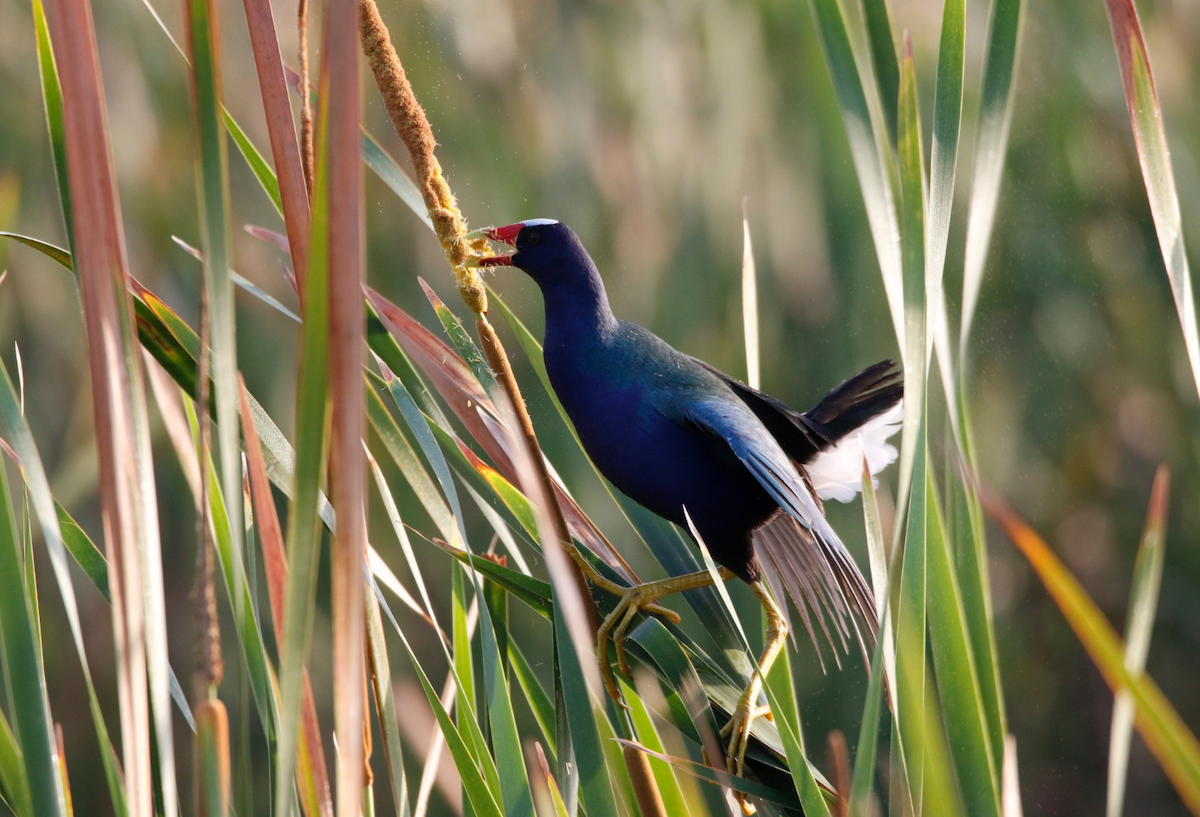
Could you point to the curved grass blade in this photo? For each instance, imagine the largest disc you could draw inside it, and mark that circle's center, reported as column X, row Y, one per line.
column 119, row 409
column 995, row 116
column 44, row 247
column 749, row 303
column 245, row 613
column 885, row 64
column 53, row 102
column 48, row 513
column 1143, row 599
column 14, row 781
column 474, row 784
column 313, row 779
column 534, row 592
column 539, row 702
column 1168, row 737
column 514, row 782
column 1150, row 136
column 866, row 134
column 402, row 453
column 24, row 670
column 390, row 173
column 212, row 190
column 943, row 163
column 258, row 165
column 304, row 533
column 339, row 139
column 958, row 687
column 385, row 704
column 289, row 193
column 912, row 241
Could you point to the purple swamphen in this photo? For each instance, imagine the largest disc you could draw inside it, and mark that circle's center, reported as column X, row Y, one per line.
column 691, row 443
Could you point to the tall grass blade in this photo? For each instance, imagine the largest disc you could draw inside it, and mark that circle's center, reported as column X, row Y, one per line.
column 868, row 737
column 670, row 792
column 52, row 100
column 119, row 410
column 749, row 303
column 957, row 677
column 304, row 520
column 48, row 516
column 883, row 662
column 513, row 778
column 24, row 672
column 912, row 245
column 885, row 64
column 480, row 796
column 342, row 98
column 995, row 116
column 1150, row 136
column 245, row 613
column 385, row 704
column 312, row 777
column 213, row 193
column 1168, row 737
column 13, row 777
column 292, row 192
column 943, row 163
column 1143, row 601
column 44, row 247
column 867, row 135
column 1011, row 803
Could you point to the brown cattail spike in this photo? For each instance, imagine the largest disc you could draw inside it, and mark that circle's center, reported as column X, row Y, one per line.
column 414, row 130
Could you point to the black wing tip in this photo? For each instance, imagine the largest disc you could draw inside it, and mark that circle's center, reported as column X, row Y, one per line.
column 857, row 400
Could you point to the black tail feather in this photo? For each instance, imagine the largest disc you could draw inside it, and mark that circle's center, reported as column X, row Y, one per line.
column 857, row 400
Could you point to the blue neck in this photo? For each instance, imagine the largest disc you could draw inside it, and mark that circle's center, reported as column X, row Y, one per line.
column 576, row 306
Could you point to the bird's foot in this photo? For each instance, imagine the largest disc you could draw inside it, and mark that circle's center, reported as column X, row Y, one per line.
column 738, row 732
column 641, row 597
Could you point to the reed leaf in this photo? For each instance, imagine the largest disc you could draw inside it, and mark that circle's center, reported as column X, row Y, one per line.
column 1150, row 137
column 119, row 410
column 1143, row 601
column 995, row 117
column 1169, row 739
column 339, row 141
column 49, row 514
column 41, row 787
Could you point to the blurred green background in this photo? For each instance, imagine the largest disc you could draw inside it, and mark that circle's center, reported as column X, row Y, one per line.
column 643, row 125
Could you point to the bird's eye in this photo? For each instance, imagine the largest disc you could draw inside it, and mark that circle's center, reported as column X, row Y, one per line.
column 535, row 238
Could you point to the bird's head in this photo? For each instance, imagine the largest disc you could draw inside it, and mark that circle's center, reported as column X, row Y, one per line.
column 547, row 250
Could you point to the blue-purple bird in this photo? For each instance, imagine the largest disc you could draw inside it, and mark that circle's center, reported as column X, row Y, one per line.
column 693, row 444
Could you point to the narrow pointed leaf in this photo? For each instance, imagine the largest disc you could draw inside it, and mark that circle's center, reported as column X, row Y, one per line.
column 995, row 116
column 1143, row 601
column 1168, row 737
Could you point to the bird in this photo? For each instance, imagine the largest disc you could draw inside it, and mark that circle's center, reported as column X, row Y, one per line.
column 736, row 468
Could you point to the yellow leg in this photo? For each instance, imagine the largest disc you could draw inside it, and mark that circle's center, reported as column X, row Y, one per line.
column 642, row 597
column 738, row 727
